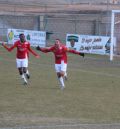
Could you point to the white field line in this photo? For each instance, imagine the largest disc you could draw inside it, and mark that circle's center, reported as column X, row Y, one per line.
column 73, row 69
column 83, row 126
column 97, row 73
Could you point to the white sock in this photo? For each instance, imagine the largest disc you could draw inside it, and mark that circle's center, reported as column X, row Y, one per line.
column 27, row 72
column 65, row 75
column 23, row 77
column 61, row 81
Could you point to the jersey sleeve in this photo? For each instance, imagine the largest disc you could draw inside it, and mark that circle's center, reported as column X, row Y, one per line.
column 73, row 51
column 11, row 48
column 45, row 50
column 29, row 48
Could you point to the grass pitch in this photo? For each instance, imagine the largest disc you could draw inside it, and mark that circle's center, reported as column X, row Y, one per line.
column 92, row 93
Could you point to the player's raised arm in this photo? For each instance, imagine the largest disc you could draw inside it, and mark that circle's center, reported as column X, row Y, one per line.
column 75, row 52
column 7, row 48
column 45, row 49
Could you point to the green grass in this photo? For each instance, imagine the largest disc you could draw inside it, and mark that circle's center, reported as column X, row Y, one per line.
column 92, row 93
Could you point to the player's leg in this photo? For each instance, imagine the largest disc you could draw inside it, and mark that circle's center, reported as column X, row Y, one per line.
column 25, row 68
column 27, row 74
column 20, row 69
column 65, row 72
column 58, row 70
column 63, row 69
column 22, row 75
column 62, row 79
column 65, row 76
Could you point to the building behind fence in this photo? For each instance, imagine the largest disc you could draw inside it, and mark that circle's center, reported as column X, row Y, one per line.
column 58, row 23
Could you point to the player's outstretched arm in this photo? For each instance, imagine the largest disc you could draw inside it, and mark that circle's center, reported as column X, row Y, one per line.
column 45, row 50
column 7, row 48
column 3, row 44
column 76, row 52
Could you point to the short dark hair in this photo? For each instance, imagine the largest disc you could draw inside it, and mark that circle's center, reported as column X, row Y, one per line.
column 20, row 35
column 57, row 39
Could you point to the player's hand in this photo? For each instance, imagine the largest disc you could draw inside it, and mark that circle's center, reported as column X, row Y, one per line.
column 82, row 54
column 38, row 48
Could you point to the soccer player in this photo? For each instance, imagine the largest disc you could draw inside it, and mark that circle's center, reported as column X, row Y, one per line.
column 60, row 53
column 23, row 49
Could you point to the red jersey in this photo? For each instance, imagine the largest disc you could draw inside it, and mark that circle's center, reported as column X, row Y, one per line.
column 22, row 49
column 60, row 54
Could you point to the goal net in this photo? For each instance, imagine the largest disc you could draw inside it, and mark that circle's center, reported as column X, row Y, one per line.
column 115, row 34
